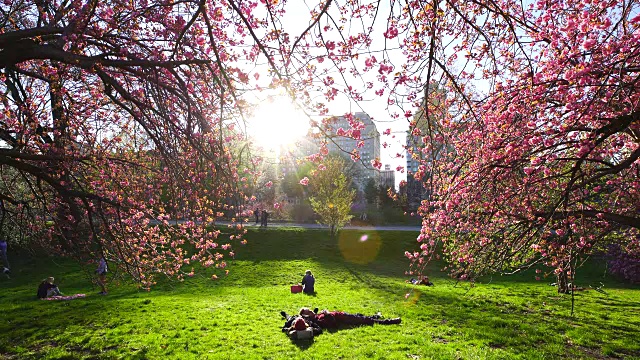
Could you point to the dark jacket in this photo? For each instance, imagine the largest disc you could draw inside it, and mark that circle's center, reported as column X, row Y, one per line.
column 308, row 281
column 290, row 319
column 334, row 319
column 44, row 288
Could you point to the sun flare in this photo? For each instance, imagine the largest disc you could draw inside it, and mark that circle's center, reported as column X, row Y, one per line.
column 277, row 121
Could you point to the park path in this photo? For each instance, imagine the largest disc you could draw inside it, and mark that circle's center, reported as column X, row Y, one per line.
column 277, row 224
column 348, row 227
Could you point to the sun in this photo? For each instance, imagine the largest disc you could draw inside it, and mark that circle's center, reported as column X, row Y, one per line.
column 276, row 121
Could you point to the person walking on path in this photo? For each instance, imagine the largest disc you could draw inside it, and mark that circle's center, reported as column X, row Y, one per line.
column 256, row 213
column 265, row 218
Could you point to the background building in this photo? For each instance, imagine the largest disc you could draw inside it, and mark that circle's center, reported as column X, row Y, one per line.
column 363, row 170
column 415, row 189
column 387, row 177
column 282, row 165
column 291, row 155
column 424, row 126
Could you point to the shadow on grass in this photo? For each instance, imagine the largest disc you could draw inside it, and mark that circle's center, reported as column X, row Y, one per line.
column 382, row 253
column 509, row 314
column 479, row 318
column 379, row 253
column 304, row 344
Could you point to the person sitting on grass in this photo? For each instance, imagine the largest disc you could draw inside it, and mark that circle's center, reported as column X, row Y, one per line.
column 334, row 319
column 308, row 282
column 48, row 289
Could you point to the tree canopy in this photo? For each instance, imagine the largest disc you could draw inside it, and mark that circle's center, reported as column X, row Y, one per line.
column 544, row 165
column 118, row 116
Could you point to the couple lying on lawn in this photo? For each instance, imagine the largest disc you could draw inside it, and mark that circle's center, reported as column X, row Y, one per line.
column 309, row 323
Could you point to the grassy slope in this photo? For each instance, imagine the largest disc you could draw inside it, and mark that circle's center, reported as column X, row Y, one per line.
column 237, row 317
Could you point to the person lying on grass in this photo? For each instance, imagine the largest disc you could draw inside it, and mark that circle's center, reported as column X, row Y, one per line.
column 334, row 319
column 299, row 329
column 421, row 280
column 291, row 319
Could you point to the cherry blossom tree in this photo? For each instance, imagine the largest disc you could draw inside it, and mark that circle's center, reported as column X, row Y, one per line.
column 540, row 120
column 116, row 118
column 544, row 164
column 120, row 115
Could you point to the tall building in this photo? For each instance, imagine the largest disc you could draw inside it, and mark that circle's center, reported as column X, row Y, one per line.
column 415, row 189
column 434, row 99
column 370, row 151
column 287, row 158
column 387, row 177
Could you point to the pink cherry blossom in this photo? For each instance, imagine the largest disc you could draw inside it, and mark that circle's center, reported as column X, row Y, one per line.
column 391, row 33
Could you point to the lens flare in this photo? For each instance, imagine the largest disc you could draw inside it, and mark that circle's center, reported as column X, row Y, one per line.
column 359, row 248
column 413, row 296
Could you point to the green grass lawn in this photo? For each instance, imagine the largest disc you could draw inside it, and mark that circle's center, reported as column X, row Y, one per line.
column 237, row 317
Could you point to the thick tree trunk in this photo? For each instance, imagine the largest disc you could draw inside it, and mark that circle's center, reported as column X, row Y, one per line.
column 67, row 216
column 563, row 283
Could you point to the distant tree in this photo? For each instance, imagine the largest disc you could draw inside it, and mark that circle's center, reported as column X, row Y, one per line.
column 291, row 182
column 332, row 195
column 401, row 196
column 386, row 196
column 371, row 192
column 267, row 183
